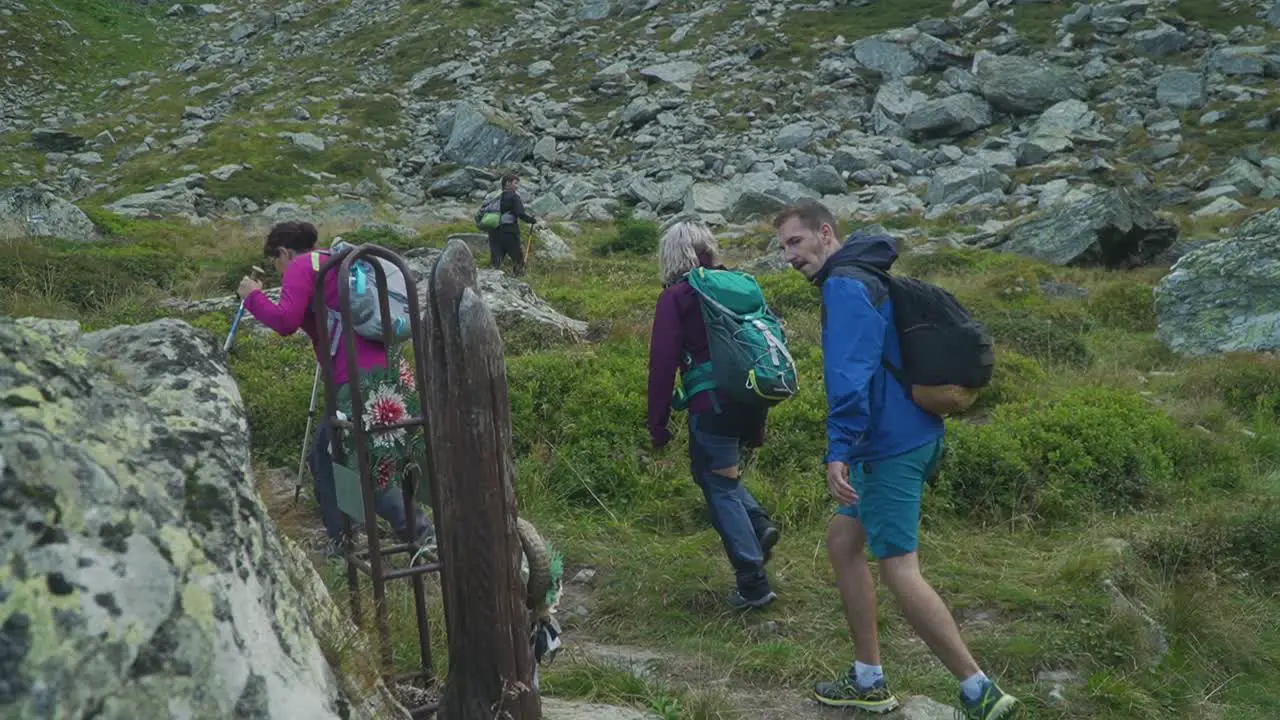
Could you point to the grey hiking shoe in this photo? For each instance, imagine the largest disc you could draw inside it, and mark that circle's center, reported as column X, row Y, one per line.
column 738, row 601
column 769, row 537
column 846, row 693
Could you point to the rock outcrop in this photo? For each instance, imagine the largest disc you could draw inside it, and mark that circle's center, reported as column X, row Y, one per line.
column 1224, row 296
column 519, row 312
column 1109, row 228
column 140, row 576
column 27, row 212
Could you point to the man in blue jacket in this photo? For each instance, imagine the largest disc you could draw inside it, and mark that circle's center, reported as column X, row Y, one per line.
column 881, row 450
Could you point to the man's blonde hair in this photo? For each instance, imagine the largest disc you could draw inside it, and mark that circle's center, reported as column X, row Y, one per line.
column 681, row 246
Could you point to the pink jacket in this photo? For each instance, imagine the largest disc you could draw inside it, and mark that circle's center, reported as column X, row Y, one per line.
column 294, row 311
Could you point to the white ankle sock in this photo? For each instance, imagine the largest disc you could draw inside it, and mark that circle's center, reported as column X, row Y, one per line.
column 971, row 688
column 867, row 675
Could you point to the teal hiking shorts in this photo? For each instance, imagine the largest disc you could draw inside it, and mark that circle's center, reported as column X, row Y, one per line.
column 889, row 493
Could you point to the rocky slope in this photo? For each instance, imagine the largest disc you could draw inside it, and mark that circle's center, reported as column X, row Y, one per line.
column 999, row 124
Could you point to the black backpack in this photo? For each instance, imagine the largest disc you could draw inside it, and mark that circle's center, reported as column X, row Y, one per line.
column 947, row 355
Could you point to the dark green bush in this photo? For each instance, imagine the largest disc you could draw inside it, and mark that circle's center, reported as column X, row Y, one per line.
column 1092, row 449
column 789, row 292
column 1244, row 538
column 1017, row 378
column 632, row 237
column 1247, row 383
column 1124, row 306
column 940, row 262
column 88, row 276
column 588, row 410
column 1041, row 338
column 274, row 375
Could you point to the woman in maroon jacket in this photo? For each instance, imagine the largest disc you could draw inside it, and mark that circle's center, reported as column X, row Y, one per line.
column 716, row 429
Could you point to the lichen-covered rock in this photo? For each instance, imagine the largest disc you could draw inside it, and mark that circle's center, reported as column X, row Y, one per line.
column 1222, row 296
column 36, row 212
column 483, row 136
column 140, row 576
column 1109, row 228
column 523, row 318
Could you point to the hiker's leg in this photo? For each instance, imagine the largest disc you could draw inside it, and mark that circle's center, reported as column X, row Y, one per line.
column 515, row 250
column 864, row 686
column 894, row 488
column 714, row 461
column 495, row 250
column 766, row 532
column 846, row 548
column 389, row 504
column 321, row 462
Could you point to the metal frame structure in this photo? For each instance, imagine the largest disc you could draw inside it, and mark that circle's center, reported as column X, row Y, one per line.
column 374, row 560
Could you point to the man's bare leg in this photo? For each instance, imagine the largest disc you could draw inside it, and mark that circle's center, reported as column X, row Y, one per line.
column 865, row 686
column 846, row 543
column 927, row 614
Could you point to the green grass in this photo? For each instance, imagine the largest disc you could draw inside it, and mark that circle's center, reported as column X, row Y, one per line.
column 108, row 39
column 1090, row 431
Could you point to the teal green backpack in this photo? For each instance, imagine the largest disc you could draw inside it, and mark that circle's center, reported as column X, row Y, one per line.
column 749, row 357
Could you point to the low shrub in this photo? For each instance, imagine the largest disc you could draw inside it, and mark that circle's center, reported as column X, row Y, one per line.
column 1242, row 539
column 1247, row 383
column 1124, row 306
column 1016, row 378
column 1041, row 338
column 1092, row 449
column 789, row 292
column 88, row 276
column 274, row 375
column 632, row 236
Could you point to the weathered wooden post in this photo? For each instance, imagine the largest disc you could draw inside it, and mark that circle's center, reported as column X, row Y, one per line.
column 490, row 659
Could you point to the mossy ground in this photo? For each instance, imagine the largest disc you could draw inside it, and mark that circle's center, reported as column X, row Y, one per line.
column 1090, row 432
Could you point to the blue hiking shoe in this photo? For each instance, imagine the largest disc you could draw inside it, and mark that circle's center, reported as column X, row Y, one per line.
column 846, row 693
column 993, row 703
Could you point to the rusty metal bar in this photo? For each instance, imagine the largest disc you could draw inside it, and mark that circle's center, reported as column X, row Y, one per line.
column 342, row 263
column 413, row 570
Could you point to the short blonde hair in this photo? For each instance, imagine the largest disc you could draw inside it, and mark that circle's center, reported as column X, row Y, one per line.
column 680, row 249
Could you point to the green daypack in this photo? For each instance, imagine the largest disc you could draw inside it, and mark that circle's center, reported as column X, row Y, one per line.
column 749, row 357
column 489, row 216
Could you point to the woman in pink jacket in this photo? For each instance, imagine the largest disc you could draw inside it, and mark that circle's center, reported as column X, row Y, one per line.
column 290, row 247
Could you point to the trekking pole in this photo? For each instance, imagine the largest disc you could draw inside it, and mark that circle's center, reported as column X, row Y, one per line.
column 311, row 413
column 255, row 272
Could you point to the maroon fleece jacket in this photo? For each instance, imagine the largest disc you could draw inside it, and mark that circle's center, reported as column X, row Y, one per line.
column 678, row 328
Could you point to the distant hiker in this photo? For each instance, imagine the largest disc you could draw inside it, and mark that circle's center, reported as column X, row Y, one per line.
column 500, row 218
column 881, row 450
column 717, row 426
column 291, row 248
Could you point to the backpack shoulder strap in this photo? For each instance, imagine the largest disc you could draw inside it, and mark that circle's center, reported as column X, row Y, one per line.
column 876, row 280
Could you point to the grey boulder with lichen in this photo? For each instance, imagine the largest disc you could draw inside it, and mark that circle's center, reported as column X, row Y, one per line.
column 1222, row 296
column 140, row 576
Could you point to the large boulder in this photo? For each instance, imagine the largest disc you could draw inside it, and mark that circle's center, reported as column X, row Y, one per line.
column 523, row 318
column 952, row 116
column 485, row 137
column 1224, row 296
column 35, row 212
column 1022, row 86
column 1109, row 228
column 140, row 576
